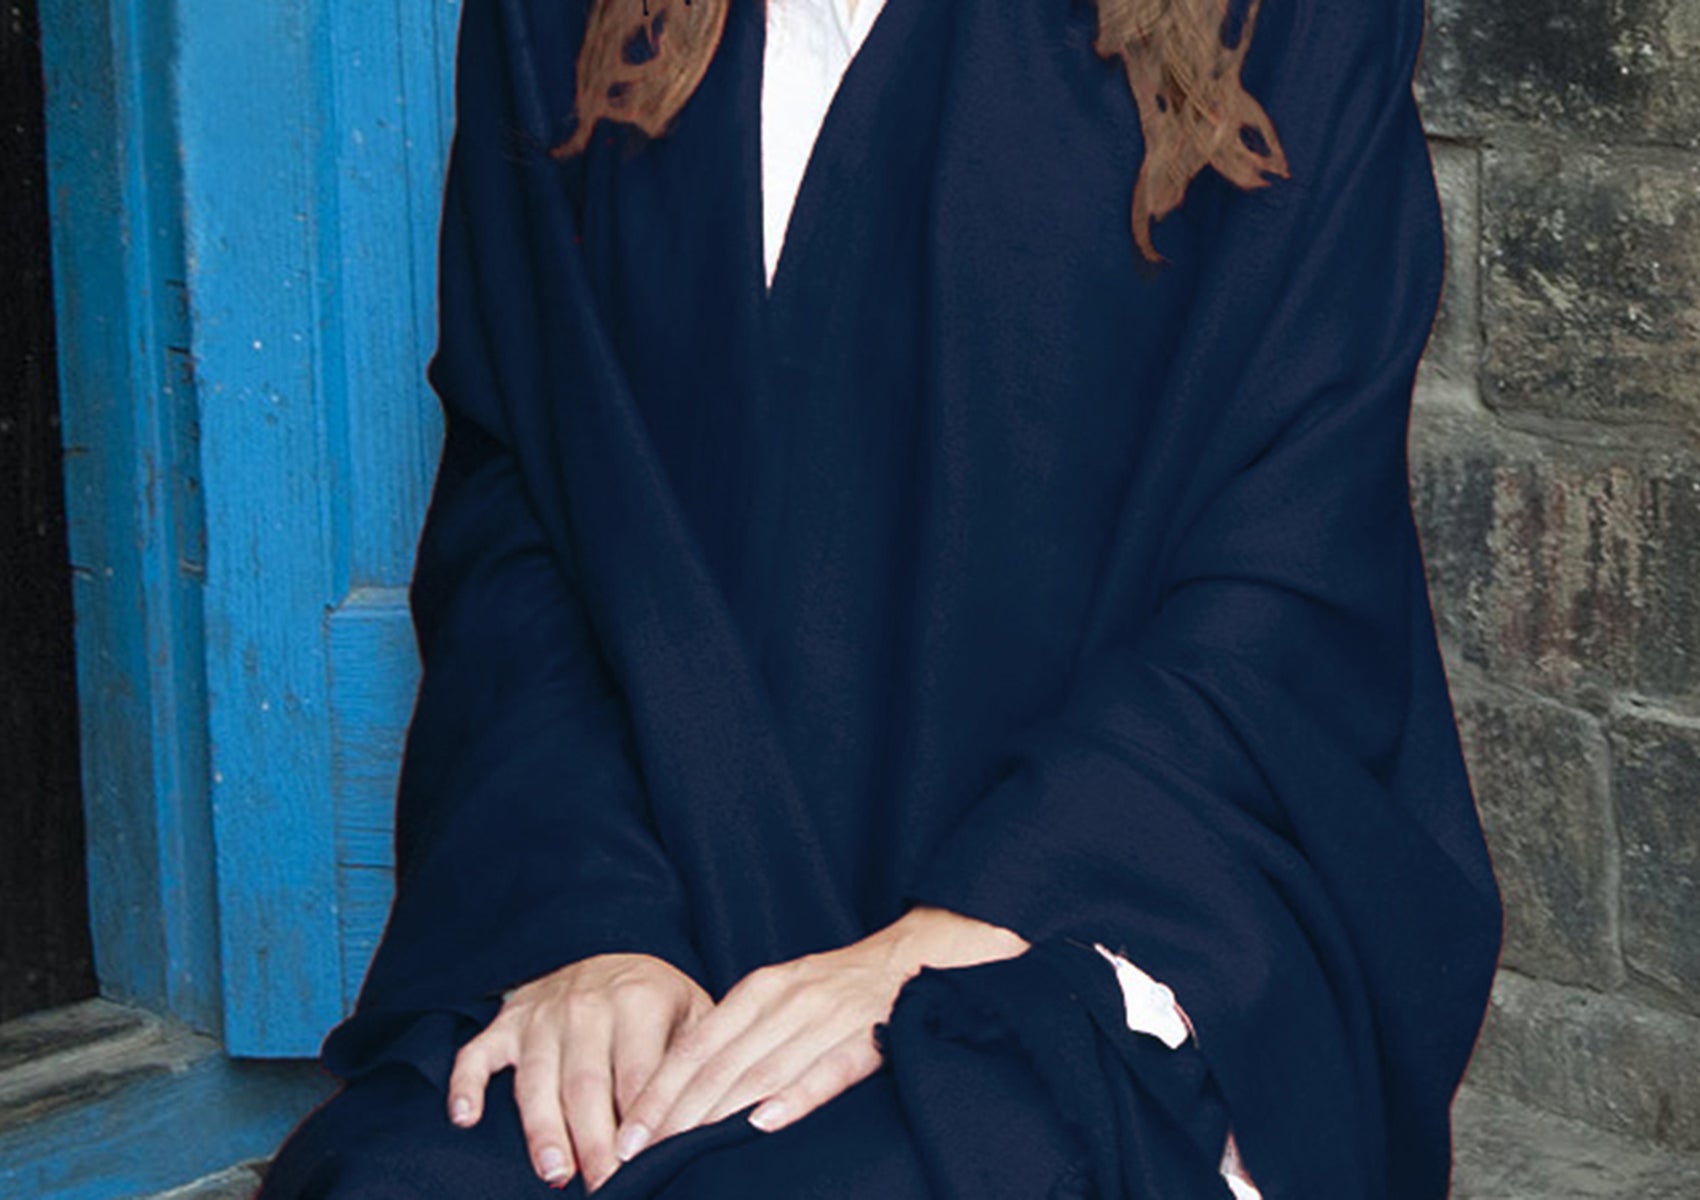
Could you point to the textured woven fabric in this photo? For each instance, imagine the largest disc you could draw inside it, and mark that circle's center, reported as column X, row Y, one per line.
column 810, row 44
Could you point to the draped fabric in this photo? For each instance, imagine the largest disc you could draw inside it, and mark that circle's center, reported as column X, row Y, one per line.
column 976, row 564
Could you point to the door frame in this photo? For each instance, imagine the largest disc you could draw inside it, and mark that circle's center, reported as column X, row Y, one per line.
column 221, row 200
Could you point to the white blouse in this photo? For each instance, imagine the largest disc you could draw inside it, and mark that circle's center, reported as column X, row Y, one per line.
column 809, row 46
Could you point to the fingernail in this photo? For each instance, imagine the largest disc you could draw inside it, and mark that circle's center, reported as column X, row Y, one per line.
column 552, row 1163
column 632, row 1138
column 461, row 1111
column 769, row 1115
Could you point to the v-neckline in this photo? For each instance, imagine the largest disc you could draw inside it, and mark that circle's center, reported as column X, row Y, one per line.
column 843, row 106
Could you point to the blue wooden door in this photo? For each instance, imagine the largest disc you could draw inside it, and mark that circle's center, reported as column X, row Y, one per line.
column 313, row 135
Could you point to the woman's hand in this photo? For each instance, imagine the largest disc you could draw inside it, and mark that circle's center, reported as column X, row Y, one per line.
column 798, row 1033
column 583, row 1041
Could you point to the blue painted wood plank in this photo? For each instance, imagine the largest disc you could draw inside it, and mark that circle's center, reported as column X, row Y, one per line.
column 387, row 178
column 248, row 323
column 374, row 671
column 393, row 114
column 312, row 289
column 132, row 495
column 250, row 78
column 366, row 895
column 160, row 1132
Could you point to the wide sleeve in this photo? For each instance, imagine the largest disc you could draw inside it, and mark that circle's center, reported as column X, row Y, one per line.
column 1255, row 791
column 523, row 838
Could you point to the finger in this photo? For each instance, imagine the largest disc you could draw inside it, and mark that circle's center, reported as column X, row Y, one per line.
column 767, row 1054
column 695, row 1044
column 770, row 1072
column 587, row 1093
column 840, row 1068
column 479, row 1059
column 640, row 1043
column 537, row 1091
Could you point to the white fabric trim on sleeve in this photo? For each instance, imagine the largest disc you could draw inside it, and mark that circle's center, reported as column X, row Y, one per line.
column 1152, row 1009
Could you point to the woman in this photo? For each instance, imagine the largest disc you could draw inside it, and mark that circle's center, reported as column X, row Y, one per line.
column 844, row 699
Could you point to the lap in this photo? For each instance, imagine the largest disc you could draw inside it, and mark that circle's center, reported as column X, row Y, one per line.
column 386, row 1137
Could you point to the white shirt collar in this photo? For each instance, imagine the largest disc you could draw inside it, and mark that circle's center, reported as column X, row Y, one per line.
column 809, row 47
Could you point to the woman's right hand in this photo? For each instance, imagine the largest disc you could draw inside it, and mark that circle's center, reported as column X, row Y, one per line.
column 583, row 1041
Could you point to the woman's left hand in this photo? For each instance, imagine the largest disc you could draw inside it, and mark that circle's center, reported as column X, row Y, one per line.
column 795, row 1034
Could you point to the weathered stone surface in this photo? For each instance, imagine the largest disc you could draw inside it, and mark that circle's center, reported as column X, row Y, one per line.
column 1540, row 774
column 1591, row 286
column 1568, row 568
column 1606, row 1059
column 1656, row 783
column 1450, row 365
column 1505, row 1150
column 1624, row 70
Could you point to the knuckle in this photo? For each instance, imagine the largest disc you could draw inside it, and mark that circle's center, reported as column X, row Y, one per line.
column 626, row 1094
column 534, row 1086
column 468, row 1062
column 540, row 1129
column 691, row 1046
column 537, row 1060
column 755, row 988
column 649, row 1111
column 587, row 1010
column 637, row 991
column 817, row 1086
column 771, row 979
column 713, row 1075
column 583, row 1086
column 841, row 1062
column 766, row 1076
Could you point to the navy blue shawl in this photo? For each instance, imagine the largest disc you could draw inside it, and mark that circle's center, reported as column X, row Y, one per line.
column 978, row 564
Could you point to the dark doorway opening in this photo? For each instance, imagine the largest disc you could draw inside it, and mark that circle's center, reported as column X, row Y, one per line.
column 45, row 956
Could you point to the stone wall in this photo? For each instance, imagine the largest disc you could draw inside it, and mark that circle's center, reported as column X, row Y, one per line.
column 1555, row 455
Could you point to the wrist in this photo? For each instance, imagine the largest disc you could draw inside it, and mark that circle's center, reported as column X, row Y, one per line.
column 928, row 936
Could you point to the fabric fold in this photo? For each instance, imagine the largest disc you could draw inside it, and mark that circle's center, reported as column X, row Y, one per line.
column 1235, row 791
column 1022, row 1079
column 524, row 839
column 976, row 565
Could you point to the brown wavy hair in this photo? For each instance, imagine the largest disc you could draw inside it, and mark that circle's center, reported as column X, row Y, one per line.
column 642, row 59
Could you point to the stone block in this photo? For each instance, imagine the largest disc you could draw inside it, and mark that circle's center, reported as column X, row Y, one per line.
column 1609, row 1060
column 1540, row 775
column 1569, row 568
column 1448, row 371
column 1591, row 284
column 1618, row 70
column 1507, row 1150
column 1656, row 785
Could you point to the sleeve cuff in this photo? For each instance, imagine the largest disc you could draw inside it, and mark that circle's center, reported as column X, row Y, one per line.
column 1152, row 1009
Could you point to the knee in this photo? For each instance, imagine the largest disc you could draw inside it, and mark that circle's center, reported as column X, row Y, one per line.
column 385, row 1136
